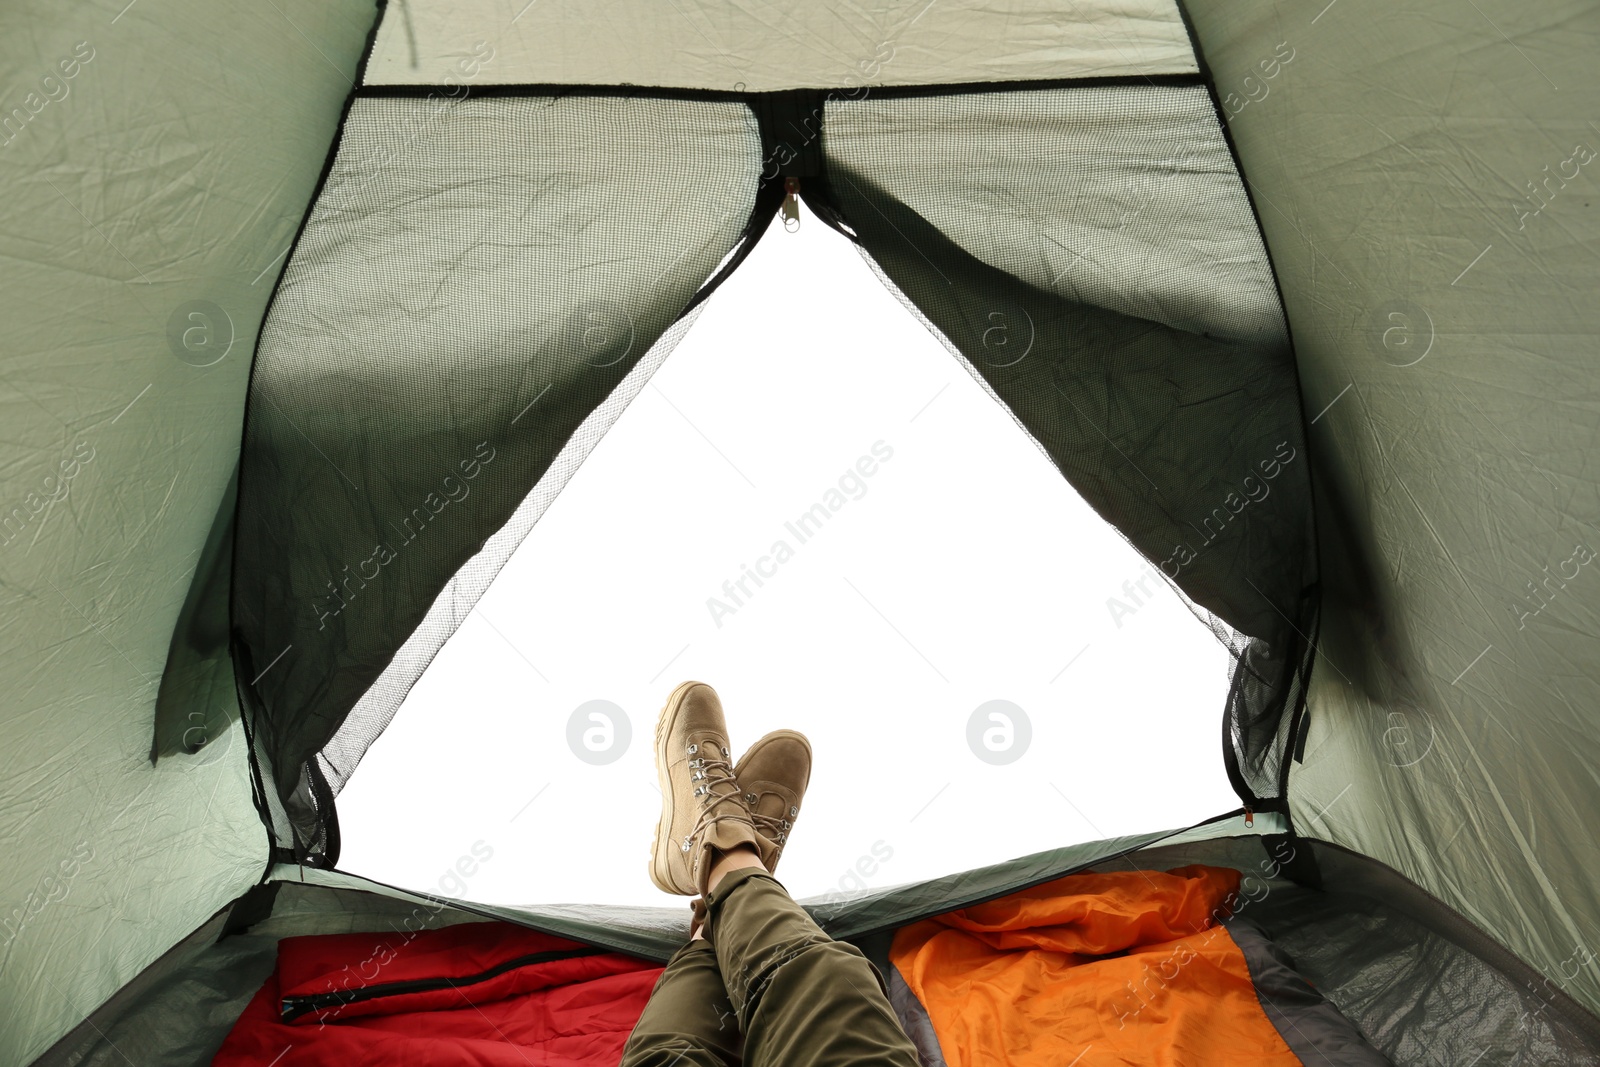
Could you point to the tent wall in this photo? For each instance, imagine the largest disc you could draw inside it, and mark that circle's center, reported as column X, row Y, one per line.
column 157, row 158
column 1427, row 182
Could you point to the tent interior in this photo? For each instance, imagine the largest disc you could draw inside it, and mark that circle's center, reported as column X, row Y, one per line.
column 1298, row 300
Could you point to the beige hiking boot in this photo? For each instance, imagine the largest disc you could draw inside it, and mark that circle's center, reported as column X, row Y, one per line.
column 774, row 774
column 702, row 806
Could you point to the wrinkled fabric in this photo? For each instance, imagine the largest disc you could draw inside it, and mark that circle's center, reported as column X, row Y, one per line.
column 1127, row 968
column 767, row 988
column 763, row 45
column 478, row 994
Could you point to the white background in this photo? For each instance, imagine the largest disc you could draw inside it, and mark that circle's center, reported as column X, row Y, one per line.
column 968, row 571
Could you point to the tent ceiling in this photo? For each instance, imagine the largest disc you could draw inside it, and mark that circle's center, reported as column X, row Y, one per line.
column 756, row 47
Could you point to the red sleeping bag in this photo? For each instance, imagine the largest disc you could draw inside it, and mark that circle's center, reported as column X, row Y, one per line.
column 472, row 995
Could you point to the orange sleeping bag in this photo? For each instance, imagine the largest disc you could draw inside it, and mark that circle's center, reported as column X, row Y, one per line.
column 1093, row 970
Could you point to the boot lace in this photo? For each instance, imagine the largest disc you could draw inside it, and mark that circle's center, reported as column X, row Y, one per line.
column 774, row 827
column 716, row 788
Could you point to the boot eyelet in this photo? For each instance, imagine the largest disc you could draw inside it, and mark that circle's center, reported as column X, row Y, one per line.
column 693, row 749
column 793, row 811
column 749, row 798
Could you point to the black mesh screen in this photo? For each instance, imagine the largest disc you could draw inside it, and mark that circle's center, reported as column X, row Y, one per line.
column 372, row 714
column 1092, row 254
column 476, row 277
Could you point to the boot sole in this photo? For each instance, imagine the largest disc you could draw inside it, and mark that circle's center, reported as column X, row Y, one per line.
column 660, row 869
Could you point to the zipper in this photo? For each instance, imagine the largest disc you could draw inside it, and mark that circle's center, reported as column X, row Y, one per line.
column 294, row 1007
column 791, row 203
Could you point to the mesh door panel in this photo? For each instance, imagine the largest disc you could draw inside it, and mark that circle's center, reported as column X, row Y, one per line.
column 475, row 278
column 1092, row 253
column 378, row 705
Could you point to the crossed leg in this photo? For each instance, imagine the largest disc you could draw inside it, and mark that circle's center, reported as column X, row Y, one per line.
column 767, row 984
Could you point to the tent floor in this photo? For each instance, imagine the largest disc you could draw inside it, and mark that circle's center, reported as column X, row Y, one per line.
column 1424, row 986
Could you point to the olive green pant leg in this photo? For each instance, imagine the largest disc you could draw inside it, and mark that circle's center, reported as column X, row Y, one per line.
column 802, row 998
column 688, row 1020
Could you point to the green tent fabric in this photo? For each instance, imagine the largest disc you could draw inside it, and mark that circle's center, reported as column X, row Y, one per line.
column 1436, row 251
column 266, row 266
column 157, row 163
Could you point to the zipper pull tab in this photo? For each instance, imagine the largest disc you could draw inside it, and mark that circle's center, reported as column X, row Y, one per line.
column 791, row 204
column 1249, row 817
